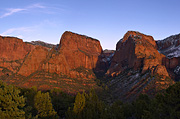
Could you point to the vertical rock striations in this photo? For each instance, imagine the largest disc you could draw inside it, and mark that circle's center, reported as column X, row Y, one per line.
column 80, row 50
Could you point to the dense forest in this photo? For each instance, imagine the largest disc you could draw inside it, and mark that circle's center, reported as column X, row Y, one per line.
column 20, row 103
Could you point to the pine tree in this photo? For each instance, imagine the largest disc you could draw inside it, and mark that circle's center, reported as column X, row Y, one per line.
column 11, row 103
column 94, row 108
column 87, row 106
column 29, row 94
column 42, row 102
column 79, row 103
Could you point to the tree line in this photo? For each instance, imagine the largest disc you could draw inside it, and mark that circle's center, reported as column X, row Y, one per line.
column 21, row 103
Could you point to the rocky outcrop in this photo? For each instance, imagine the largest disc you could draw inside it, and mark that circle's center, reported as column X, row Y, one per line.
column 33, row 61
column 12, row 53
column 74, row 51
column 80, row 50
column 137, row 67
column 161, row 70
column 135, row 51
column 13, row 48
column 57, row 64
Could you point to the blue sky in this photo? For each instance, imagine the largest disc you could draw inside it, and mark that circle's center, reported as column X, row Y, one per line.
column 106, row 20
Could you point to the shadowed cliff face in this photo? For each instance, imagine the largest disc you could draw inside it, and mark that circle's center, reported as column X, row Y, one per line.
column 170, row 48
column 137, row 51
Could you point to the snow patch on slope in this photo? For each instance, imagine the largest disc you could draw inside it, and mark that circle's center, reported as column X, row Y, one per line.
column 170, row 46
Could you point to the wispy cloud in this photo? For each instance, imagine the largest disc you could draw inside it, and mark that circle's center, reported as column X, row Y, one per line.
column 27, row 32
column 12, row 11
column 18, row 30
column 36, row 6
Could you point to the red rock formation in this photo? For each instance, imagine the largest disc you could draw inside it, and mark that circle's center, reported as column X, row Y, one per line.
column 74, row 51
column 136, row 51
column 12, row 53
column 57, row 64
column 80, row 50
column 171, row 63
column 13, row 48
column 161, row 70
column 33, row 61
column 72, row 63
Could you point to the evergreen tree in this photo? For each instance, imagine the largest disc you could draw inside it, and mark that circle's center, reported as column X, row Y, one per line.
column 11, row 104
column 94, row 109
column 43, row 105
column 141, row 106
column 79, row 103
column 29, row 94
column 169, row 102
column 87, row 106
column 61, row 101
column 116, row 110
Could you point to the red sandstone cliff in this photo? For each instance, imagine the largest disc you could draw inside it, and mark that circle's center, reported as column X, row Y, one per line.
column 71, row 64
column 80, row 50
column 13, row 48
column 137, row 67
column 74, row 51
column 136, row 51
column 12, row 53
column 33, row 61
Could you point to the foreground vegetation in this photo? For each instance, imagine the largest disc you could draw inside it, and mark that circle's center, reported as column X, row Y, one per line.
column 18, row 103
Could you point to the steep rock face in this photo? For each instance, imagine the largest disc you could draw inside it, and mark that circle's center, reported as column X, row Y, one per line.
column 171, row 63
column 56, row 64
column 33, row 61
column 137, row 51
column 12, row 53
column 80, row 50
column 13, row 48
column 74, row 51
